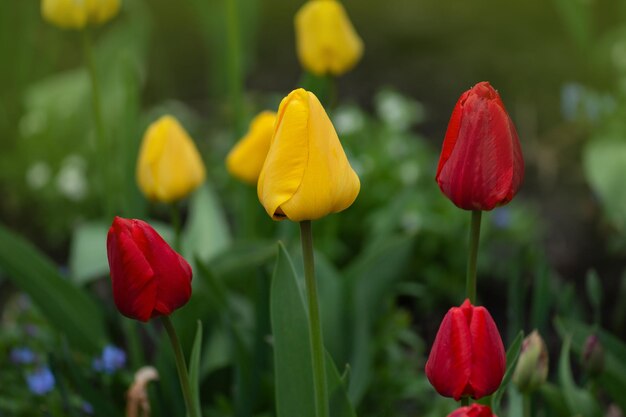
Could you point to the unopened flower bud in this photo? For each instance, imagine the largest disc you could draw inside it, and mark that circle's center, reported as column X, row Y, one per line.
column 593, row 356
column 532, row 366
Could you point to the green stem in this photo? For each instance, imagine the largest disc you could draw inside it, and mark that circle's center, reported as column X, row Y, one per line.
column 176, row 224
column 526, row 405
column 235, row 72
column 465, row 401
column 315, row 325
column 474, row 237
column 103, row 145
column 181, row 366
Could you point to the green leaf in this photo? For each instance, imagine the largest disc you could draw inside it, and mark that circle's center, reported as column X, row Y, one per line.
column 370, row 279
column 512, row 354
column 206, row 232
column 594, row 292
column 70, row 310
column 579, row 401
column 292, row 351
column 553, row 396
column 194, row 368
column 88, row 259
column 339, row 403
column 604, row 161
column 613, row 379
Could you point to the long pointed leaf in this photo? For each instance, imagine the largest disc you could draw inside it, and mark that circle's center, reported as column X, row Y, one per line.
column 68, row 309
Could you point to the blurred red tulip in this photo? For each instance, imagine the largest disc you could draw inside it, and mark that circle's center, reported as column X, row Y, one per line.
column 149, row 278
column 467, row 357
column 474, row 410
column 481, row 164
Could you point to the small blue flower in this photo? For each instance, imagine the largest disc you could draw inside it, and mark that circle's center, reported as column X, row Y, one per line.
column 501, row 217
column 41, row 381
column 112, row 359
column 87, row 408
column 22, row 356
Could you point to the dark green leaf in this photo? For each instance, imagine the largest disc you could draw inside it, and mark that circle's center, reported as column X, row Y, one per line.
column 512, row 354
column 70, row 310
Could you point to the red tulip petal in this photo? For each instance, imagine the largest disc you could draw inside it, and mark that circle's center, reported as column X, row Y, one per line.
column 172, row 273
column 489, row 360
column 474, row 410
column 452, row 133
column 134, row 290
column 481, row 164
column 449, row 364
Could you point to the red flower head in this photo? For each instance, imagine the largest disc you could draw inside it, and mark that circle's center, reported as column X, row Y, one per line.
column 149, row 278
column 474, row 410
column 467, row 358
column 481, row 164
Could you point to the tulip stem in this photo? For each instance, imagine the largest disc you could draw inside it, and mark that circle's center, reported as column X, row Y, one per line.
column 103, row 145
column 315, row 325
column 235, row 73
column 465, row 401
column 474, row 237
column 175, row 215
column 181, row 366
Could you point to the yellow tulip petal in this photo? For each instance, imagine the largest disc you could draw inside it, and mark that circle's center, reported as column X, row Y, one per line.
column 169, row 166
column 246, row 158
column 306, row 174
column 76, row 14
column 66, row 14
column 325, row 38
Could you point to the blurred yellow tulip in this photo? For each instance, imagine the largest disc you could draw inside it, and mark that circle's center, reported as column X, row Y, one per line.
column 76, row 14
column 246, row 158
column 325, row 39
column 169, row 166
column 306, row 174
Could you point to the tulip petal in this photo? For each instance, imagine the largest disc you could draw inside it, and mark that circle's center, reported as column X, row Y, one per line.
column 325, row 38
column 288, row 156
column 481, row 164
column 172, row 273
column 134, row 289
column 489, row 358
column 246, row 159
column 329, row 184
column 449, row 364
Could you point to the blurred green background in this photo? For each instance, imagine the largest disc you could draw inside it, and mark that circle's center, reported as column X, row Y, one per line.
column 560, row 67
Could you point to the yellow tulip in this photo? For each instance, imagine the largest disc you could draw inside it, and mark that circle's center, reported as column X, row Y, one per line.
column 325, row 39
column 246, row 159
column 169, row 166
column 76, row 14
column 306, row 174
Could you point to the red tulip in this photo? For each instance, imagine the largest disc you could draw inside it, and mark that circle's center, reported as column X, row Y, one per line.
column 149, row 278
column 481, row 164
column 467, row 358
column 474, row 410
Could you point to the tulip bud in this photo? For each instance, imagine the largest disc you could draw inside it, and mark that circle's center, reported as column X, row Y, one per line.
column 593, row 356
column 467, row 357
column 72, row 14
column 474, row 410
column 481, row 164
column 306, row 174
column 169, row 166
column 246, row 159
column 326, row 40
column 149, row 278
column 531, row 370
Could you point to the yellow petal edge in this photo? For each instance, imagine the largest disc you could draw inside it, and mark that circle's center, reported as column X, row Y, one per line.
column 306, row 174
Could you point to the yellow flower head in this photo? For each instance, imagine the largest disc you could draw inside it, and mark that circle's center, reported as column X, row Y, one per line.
column 306, row 174
column 325, row 39
column 169, row 166
column 246, row 159
column 76, row 14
